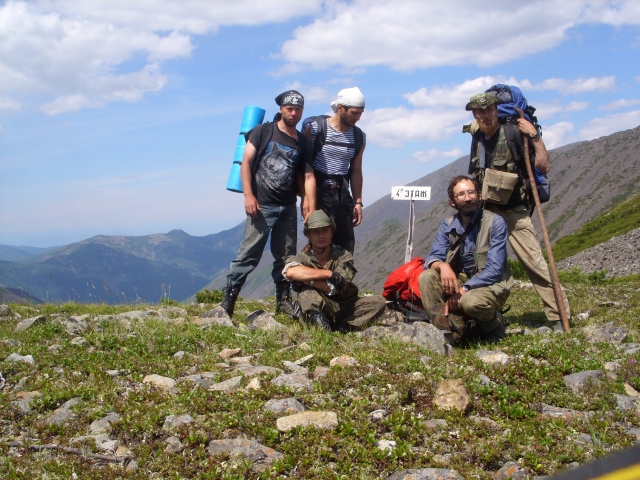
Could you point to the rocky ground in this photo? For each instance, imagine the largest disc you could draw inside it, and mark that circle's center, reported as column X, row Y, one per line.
column 176, row 392
column 619, row 256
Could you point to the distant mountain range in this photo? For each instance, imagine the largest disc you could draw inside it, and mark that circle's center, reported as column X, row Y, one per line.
column 587, row 178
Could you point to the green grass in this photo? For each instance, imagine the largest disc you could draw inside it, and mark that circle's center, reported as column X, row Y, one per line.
column 621, row 219
column 385, row 378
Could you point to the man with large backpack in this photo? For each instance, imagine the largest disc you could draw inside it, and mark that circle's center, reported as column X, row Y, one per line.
column 272, row 174
column 497, row 162
column 337, row 146
column 467, row 267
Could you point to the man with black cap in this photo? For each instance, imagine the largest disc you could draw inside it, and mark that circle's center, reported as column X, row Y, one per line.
column 492, row 155
column 272, row 174
column 322, row 273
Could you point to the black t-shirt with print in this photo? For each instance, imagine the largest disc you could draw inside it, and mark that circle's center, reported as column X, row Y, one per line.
column 274, row 181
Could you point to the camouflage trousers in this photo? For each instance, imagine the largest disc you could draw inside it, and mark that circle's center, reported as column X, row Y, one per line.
column 478, row 303
column 358, row 312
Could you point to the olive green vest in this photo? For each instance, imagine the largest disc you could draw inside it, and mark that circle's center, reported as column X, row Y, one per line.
column 483, row 241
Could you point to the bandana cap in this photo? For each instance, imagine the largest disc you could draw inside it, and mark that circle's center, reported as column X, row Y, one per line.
column 349, row 97
column 290, row 97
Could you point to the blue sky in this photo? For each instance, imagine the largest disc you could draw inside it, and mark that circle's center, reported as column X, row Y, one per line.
column 121, row 118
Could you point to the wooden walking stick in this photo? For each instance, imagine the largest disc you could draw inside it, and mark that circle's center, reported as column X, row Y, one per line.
column 555, row 281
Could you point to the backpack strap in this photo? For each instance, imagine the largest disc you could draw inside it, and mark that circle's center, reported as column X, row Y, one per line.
column 266, row 134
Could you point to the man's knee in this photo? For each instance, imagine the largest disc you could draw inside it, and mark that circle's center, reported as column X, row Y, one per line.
column 310, row 300
column 428, row 280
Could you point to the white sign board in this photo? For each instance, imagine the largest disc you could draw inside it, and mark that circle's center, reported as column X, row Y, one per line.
column 411, row 193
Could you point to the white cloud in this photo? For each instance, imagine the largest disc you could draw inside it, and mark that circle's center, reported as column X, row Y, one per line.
column 410, row 34
column 580, row 85
column 557, row 135
column 391, row 127
column 310, row 93
column 433, row 154
column 618, row 104
column 548, row 110
column 9, row 104
column 599, row 127
column 74, row 51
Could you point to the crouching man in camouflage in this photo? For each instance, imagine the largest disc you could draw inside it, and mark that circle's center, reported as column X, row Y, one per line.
column 322, row 274
column 467, row 268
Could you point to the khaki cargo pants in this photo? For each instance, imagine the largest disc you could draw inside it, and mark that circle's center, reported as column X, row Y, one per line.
column 525, row 244
column 478, row 303
column 359, row 312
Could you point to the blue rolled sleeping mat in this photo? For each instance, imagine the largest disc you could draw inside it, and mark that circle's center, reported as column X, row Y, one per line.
column 251, row 117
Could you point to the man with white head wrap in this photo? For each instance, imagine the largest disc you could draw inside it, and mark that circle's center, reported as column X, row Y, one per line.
column 337, row 146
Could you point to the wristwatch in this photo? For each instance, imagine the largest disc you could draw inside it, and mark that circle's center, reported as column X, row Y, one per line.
column 360, row 203
column 536, row 136
column 464, row 288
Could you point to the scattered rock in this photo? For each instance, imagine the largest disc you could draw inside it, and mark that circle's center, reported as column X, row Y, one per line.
column 179, row 354
column 103, row 425
column 294, row 381
column 386, row 445
column 75, row 325
column 138, row 314
column 25, row 399
column 612, row 366
column 543, row 331
column 123, row 451
column 262, row 320
column 131, row 467
column 629, row 390
column 319, row 420
column 254, row 384
column 30, row 322
column 174, row 445
column 631, row 430
column 250, row 371
column 419, row 333
column 493, row 357
column 512, row 470
column 164, row 383
column 321, row 371
column 628, row 404
column 240, row 360
column 343, row 361
column 606, row 333
column 295, row 368
column 5, row 310
column 63, row 414
column 303, row 360
column 54, row 348
column 441, row 459
column 612, row 304
column 487, row 422
column 16, row 357
column 629, row 348
column 452, row 394
column 580, row 380
column 378, row 415
column 259, row 455
column 484, row 380
column 216, row 316
column 435, row 423
column 176, row 421
column 514, row 330
column 228, row 386
column 426, row 474
column 172, row 312
column 227, row 353
column 584, row 316
column 557, row 412
column 80, row 341
column 284, row 405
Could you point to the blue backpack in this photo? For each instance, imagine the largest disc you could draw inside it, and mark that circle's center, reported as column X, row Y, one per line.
column 513, row 98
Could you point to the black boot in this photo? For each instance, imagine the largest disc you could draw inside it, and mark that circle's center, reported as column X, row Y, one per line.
column 317, row 319
column 284, row 304
column 229, row 300
column 498, row 333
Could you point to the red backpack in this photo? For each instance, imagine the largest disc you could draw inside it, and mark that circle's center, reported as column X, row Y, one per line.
column 402, row 285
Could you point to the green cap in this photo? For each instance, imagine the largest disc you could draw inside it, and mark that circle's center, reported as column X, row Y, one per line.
column 482, row 101
column 319, row 219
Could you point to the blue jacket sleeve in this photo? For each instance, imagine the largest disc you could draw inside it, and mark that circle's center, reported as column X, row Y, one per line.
column 496, row 257
column 439, row 247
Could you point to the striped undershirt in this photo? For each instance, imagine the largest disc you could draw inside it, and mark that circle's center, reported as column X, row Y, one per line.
column 334, row 159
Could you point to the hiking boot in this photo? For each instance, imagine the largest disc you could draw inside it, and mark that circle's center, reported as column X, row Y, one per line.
column 229, row 300
column 283, row 300
column 342, row 327
column 318, row 320
column 498, row 333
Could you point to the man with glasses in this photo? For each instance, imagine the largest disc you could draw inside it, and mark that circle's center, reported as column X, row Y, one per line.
column 467, row 268
column 491, row 144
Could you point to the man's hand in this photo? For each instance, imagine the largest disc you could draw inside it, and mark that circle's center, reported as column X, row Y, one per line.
column 304, row 209
column 448, row 278
column 338, row 281
column 526, row 127
column 453, row 303
column 251, row 206
column 357, row 215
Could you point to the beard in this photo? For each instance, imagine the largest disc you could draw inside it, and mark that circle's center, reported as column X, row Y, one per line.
column 490, row 127
column 289, row 121
column 468, row 209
